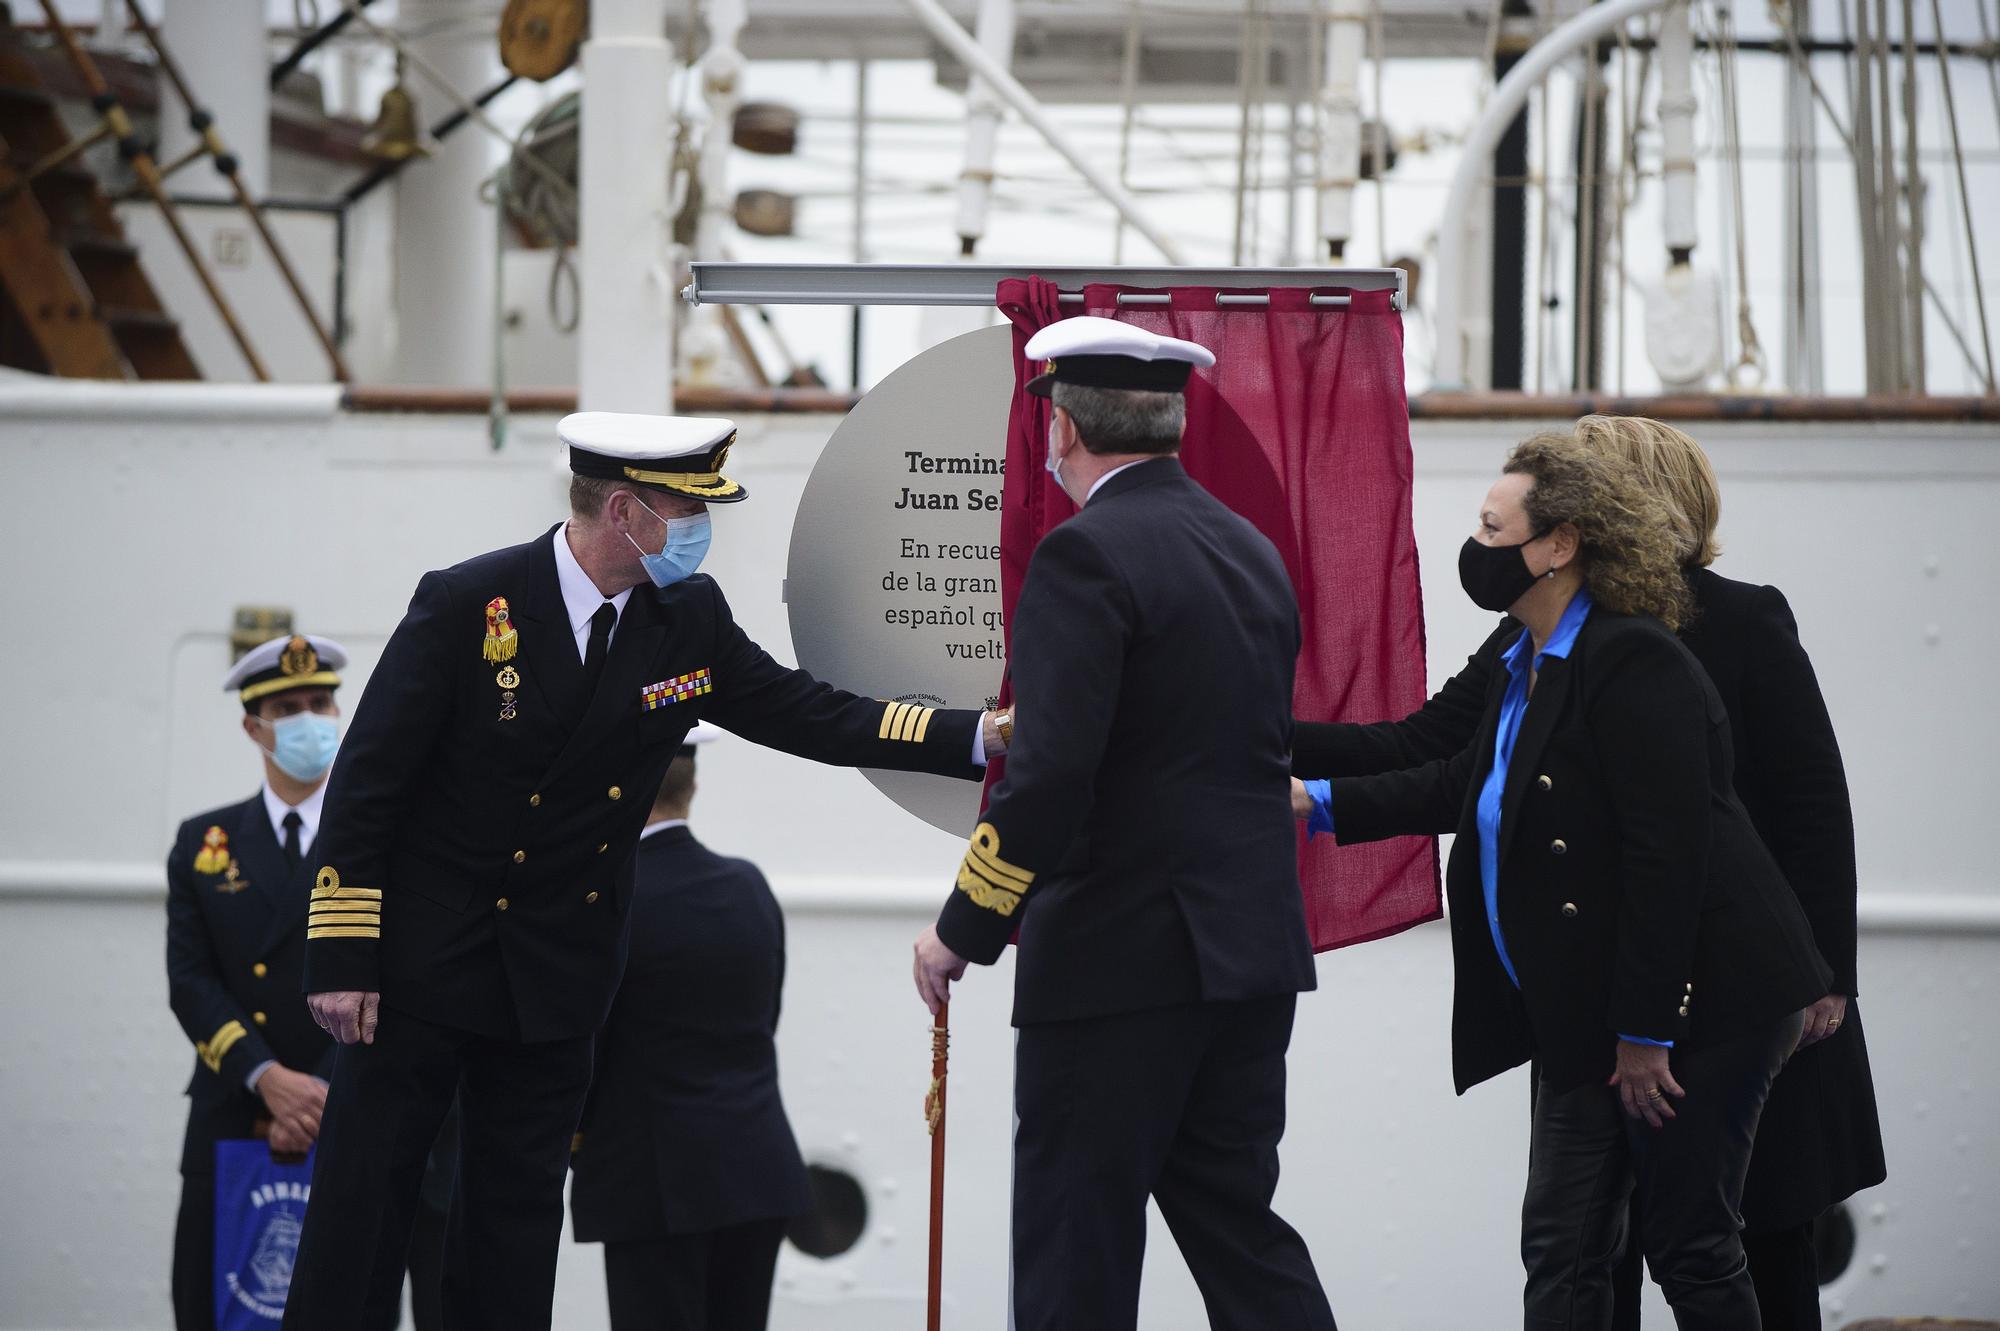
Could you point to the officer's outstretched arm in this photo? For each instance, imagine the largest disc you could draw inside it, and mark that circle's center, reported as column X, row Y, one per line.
column 1071, row 630
column 790, row 710
column 402, row 713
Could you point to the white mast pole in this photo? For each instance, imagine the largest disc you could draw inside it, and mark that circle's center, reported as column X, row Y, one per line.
column 1340, row 111
column 995, row 33
column 625, row 341
column 722, row 88
column 1677, row 107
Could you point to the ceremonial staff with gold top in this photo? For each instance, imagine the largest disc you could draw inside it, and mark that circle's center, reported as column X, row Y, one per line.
column 934, row 1117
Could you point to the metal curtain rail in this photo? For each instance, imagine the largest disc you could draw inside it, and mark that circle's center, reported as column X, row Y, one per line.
column 715, row 283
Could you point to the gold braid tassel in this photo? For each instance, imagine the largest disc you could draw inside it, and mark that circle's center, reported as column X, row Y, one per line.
column 502, row 647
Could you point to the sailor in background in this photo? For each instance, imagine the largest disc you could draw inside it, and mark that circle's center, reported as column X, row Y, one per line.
column 685, row 1166
column 1139, row 843
column 470, row 903
column 237, row 884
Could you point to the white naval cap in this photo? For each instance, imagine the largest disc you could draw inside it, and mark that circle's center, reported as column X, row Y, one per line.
column 682, row 455
column 1093, row 352
column 300, row 661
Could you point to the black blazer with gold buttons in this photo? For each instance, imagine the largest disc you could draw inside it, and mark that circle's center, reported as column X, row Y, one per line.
column 236, row 936
column 1634, row 894
column 476, row 857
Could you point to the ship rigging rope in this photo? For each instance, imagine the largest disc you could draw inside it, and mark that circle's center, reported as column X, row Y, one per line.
column 1964, row 199
column 1799, row 59
column 1749, row 367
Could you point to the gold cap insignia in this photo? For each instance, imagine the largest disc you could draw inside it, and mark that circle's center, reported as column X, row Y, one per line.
column 298, row 658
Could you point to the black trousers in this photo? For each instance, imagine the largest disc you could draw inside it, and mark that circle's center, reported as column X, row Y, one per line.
column 717, row 1280
column 1583, row 1159
column 519, row 1104
column 194, row 1255
column 1183, row 1104
column 1784, row 1266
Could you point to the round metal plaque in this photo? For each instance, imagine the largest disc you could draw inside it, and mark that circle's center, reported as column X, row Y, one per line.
column 893, row 583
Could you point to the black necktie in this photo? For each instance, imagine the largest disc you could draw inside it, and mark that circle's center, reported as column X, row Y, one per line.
column 293, row 851
column 600, row 644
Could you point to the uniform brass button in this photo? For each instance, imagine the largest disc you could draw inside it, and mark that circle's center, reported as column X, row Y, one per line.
column 520, row 855
column 1543, row 783
column 1690, row 986
column 615, row 793
column 603, row 846
column 534, row 801
column 1684, row 1012
column 259, row 1018
column 1558, row 847
column 590, row 898
column 1569, row 910
column 260, row 970
column 501, row 904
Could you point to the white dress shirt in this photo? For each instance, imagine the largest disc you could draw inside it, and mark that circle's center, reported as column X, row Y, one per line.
column 662, row 826
column 580, row 595
column 308, row 811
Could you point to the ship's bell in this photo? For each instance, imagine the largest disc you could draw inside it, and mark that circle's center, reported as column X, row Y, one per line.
column 394, row 137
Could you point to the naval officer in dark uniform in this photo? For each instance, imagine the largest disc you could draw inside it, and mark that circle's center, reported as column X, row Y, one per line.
column 237, row 881
column 685, row 1165
column 1140, row 842
column 469, row 909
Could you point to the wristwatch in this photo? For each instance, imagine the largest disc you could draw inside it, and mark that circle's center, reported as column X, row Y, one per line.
column 1004, row 723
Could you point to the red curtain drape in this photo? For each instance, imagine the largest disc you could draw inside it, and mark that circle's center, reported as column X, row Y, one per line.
column 1302, row 427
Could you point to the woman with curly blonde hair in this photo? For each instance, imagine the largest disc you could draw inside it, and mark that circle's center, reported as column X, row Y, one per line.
column 1614, row 916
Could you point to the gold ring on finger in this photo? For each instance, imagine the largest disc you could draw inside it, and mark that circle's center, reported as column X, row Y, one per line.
column 1653, row 1094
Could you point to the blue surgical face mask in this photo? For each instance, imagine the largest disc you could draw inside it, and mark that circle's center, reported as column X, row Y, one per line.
column 681, row 554
column 304, row 744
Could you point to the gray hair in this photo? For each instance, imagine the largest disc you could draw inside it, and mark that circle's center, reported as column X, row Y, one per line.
column 1124, row 420
column 589, row 494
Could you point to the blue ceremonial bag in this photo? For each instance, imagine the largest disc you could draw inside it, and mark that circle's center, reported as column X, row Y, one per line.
column 260, row 1209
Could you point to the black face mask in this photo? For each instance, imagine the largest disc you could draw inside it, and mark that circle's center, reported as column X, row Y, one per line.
column 1494, row 576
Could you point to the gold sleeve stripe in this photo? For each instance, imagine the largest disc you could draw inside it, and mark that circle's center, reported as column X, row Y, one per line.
column 985, row 849
column 215, row 1046
column 905, row 721
column 366, row 907
column 348, row 893
column 1015, row 880
column 319, row 921
column 985, row 876
column 990, row 881
column 999, row 900
column 321, row 931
